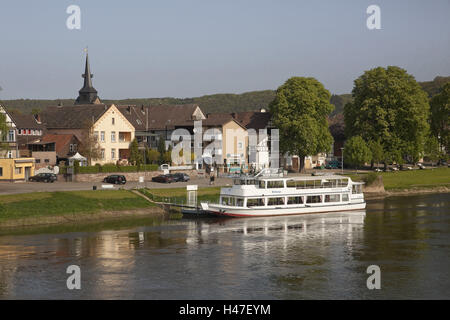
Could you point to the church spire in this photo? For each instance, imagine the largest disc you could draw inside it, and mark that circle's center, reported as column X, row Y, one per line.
column 88, row 95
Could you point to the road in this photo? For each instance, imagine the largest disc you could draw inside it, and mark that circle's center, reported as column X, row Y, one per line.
column 26, row 187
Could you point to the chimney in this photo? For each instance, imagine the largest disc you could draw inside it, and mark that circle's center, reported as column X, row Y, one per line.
column 129, row 109
column 142, row 109
column 233, row 115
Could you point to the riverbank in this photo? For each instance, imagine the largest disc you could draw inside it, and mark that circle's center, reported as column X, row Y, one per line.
column 52, row 208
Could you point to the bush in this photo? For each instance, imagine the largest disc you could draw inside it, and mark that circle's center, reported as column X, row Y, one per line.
column 108, row 168
column 370, row 178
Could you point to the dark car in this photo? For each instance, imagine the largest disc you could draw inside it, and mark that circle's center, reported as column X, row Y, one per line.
column 44, row 177
column 115, row 179
column 164, row 178
column 183, row 177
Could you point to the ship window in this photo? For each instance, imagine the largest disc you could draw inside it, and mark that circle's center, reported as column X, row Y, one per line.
column 291, row 183
column 313, row 199
column 259, row 202
column 357, row 188
column 262, row 184
column 332, row 198
column 343, row 182
column 345, row 197
column 309, row 184
column 275, row 201
column 227, row 201
column 275, row 184
column 295, row 200
column 239, row 202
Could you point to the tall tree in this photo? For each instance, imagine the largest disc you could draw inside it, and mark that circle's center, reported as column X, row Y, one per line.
column 90, row 148
column 300, row 111
column 440, row 118
column 135, row 155
column 389, row 105
column 376, row 149
column 161, row 149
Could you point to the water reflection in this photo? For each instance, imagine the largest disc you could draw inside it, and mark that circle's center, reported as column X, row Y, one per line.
column 294, row 257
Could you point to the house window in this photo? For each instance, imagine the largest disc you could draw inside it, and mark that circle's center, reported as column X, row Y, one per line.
column 102, row 136
column 11, row 135
column 75, row 147
column 29, row 131
column 240, row 145
column 46, row 160
column 38, row 160
column 113, row 136
column 18, row 170
column 95, row 135
column 71, row 148
column 113, row 153
column 102, row 153
column 9, row 156
column 113, row 121
column 1, row 172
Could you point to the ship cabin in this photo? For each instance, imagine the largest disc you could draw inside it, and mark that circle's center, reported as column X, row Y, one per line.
column 296, row 191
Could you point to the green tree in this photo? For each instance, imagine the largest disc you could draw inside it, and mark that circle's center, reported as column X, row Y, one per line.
column 432, row 149
column 135, row 155
column 152, row 156
column 389, row 106
column 376, row 149
column 3, row 133
column 161, row 149
column 440, row 118
column 300, row 111
column 356, row 152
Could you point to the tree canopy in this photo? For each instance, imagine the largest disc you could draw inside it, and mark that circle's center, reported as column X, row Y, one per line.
column 300, row 111
column 389, row 106
column 440, row 117
column 356, row 151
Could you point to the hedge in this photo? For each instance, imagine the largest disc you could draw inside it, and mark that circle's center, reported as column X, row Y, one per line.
column 107, row 168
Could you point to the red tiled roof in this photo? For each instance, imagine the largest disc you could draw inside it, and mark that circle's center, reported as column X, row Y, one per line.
column 60, row 140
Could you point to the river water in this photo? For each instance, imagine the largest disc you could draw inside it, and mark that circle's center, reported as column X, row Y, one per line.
column 297, row 257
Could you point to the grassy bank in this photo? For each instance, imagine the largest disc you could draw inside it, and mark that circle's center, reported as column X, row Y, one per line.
column 48, row 204
column 413, row 179
column 178, row 195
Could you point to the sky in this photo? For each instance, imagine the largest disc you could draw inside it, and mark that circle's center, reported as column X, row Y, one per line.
column 189, row 48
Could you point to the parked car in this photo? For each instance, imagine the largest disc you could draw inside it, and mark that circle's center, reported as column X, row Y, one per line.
column 333, row 165
column 164, row 178
column 44, row 177
column 378, row 170
column 319, row 167
column 115, row 179
column 183, row 177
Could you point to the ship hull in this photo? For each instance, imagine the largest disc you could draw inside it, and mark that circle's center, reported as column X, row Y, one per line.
column 279, row 211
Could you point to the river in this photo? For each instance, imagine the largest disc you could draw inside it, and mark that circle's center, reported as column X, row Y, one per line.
column 297, row 257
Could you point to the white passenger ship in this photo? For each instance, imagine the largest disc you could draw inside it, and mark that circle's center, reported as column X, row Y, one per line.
column 272, row 196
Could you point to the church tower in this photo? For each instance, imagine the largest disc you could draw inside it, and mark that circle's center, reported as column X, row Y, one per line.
column 88, row 95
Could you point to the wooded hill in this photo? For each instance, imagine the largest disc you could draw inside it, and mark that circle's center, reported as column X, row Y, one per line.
column 253, row 100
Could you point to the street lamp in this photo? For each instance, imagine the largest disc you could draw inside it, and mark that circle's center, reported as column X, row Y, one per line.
column 342, row 162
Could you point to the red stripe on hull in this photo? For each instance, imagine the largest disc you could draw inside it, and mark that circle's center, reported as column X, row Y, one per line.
column 273, row 215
